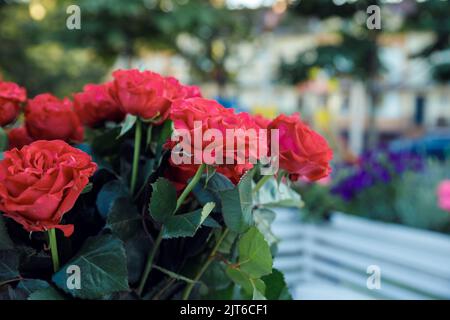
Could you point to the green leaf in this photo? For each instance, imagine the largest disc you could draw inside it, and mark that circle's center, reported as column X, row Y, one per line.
column 255, row 257
column 163, row 201
column 259, row 288
column 277, row 195
column 263, row 219
column 49, row 293
column 186, row 225
column 123, row 219
column 3, row 140
column 107, row 196
column 237, row 205
column 210, row 222
column 88, row 188
column 9, row 265
column 240, row 278
column 127, row 125
column 30, row 286
column 5, row 240
column 209, row 191
column 215, row 276
column 276, row 286
column 103, row 268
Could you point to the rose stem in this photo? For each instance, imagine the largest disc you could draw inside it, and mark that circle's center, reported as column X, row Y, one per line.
column 210, row 259
column 190, row 186
column 151, row 256
column 190, row 286
column 137, row 149
column 261, row 182
column 53, row 249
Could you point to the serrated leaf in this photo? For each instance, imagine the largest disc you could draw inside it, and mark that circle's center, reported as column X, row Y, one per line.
column 255, row 258
column 237, row 205
column 127, row 125
column 123, row 219
column 163, row 201
column 103, row 268
column 49, row 293
column 107, row 195
column 276, row 287
column 273, row 194
column 5, row 240
column 186, row 225
column 9, row 265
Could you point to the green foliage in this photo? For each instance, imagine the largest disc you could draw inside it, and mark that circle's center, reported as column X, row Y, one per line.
column 102, row 262
column 237, row 205
column 186, row 225
column 163, row 201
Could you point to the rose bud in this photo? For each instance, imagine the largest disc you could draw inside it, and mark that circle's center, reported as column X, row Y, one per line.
column 41, row 182
column 94, row 105
column 302, row 151
column 50, row 118
column 11, row 97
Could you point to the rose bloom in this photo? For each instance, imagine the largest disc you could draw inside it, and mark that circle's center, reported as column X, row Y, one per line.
column 211, row 115
column 261, row 121
column 41, row 182
column 302, row 151
column 11, row 97
column 19, row 137
column 49, row 118
column 443, row 193
column 95, row 105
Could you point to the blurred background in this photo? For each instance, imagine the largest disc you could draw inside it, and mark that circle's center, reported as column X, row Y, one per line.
column 380, row 95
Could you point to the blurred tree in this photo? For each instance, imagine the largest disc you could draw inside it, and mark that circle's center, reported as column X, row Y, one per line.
column 30, row 57
column 36, row 41
column 433, row 15
column 356, row 54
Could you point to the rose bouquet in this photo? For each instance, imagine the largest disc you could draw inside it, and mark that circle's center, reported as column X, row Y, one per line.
column 140, row 188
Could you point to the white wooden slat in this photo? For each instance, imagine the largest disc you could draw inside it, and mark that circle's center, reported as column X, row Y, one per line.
column 289, row 263
column 408, row 256
column 427, row 283
column 392, row 232
column 388, row 290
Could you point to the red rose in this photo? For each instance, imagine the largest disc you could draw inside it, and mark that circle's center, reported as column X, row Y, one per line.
column 95, row 105
column 141, row 94
column 211, row 115
column 41, row 182
column 261, row 121
column 303, row 152
column 11, row 96
column 49, row 118
column 175, row 90
column 19, row 137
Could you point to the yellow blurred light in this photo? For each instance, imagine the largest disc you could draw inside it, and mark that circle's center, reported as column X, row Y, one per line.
column 279, row 7
column 218, row 49
column 37, row 11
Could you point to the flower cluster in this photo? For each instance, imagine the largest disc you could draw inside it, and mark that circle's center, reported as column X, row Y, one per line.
column 130, row 126
column 373, row 168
